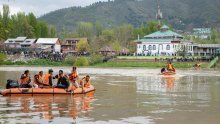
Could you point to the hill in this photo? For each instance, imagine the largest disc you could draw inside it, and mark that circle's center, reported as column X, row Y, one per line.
column 182, row 14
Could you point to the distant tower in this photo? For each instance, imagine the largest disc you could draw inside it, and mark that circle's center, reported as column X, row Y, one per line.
column 159, row 15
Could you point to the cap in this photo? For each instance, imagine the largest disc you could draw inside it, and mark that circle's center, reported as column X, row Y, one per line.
column 61, row 71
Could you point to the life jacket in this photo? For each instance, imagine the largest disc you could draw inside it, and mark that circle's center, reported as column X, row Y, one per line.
column 86, row 83
column 169, row 66
column 40, row 78
column 72, row 76
column 46, row 79
column 25, row 80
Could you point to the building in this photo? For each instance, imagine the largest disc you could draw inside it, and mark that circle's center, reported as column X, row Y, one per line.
column 107, row 51
column 162, row 42
column 49, row 44
column 69, row 45
column 14, row 42
column 202, row 33
column 205, row 49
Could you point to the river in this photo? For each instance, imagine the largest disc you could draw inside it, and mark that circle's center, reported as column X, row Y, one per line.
column 122, row 96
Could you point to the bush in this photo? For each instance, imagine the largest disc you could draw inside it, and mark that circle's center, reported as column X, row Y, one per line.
column 2, row 58
column 70, row 60
column 95, row 59
column 82, row 61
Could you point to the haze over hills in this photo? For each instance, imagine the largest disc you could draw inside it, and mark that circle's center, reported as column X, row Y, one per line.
column 182, row 14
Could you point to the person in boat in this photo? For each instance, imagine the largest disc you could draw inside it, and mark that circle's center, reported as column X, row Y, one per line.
column 48, row 78
column 62, row 80
column 170, row 67
column 25, row 80
column 85, row 82
column 73, row 78
column 197, row 66
column 38, row 80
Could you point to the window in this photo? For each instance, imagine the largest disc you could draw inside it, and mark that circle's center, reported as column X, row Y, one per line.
column 144, row 47
column 168, row 47
column 149, row 47
column 154, row 47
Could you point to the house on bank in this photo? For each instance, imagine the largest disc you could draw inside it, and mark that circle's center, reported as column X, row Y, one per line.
column 49, row 44
column 169, row 43
column 163, row 42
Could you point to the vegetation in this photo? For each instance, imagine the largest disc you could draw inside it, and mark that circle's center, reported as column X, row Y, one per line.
column 181, row 14
column 21, row 24
column 148, row 64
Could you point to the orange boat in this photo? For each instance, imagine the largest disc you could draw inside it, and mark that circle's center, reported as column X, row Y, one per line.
column 45, row 91
column 169, row 73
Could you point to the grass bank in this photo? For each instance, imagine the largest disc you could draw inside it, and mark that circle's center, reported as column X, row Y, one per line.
column 148, row 64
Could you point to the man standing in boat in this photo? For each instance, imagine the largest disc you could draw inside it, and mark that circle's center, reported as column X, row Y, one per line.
column 25, row 80
column 73, row 77
column 62, row 80
column 170, row 67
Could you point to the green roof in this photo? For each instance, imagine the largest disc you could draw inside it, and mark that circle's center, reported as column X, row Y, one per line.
column 163, row 33
column 164, row 27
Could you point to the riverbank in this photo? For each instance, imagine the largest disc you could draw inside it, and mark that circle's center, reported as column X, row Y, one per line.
column 97, row 61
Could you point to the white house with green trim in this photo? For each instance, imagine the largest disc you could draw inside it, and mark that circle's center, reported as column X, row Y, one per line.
column 163, row 42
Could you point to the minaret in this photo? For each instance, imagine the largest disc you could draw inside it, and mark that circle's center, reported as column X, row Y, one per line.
column 159, row 15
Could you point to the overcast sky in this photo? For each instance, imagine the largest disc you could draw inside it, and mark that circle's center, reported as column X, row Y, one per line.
column 40, row 7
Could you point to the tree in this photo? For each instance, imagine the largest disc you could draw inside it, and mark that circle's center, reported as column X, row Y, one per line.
column 82, row 45
column 98, row 28
column 85, row 29
column 6, row 21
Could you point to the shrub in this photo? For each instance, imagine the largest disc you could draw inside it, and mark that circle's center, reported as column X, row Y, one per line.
column 2, row 58
column 70, row 60
column 82, row 61
column 95, row 59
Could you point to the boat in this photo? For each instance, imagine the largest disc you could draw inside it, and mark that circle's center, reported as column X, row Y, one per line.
column 45, row 91
column 169, row 73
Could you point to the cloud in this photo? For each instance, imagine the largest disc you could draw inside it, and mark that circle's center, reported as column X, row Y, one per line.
column 40, row 7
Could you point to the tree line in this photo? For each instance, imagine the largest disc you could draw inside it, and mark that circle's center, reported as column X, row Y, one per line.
column 21, row 24
column 117, row 37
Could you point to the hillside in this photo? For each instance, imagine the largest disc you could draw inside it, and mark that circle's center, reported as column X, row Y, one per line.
column 181, row 14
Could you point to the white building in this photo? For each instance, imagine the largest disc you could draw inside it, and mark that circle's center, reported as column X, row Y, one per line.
column 163, row 42
column 202, row 33
column 52, row 44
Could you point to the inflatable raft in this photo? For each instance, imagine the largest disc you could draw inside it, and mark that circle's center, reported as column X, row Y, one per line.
column 45, row 91
column 169, row 73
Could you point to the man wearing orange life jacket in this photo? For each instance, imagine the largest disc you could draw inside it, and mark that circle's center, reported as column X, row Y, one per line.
column 38, row 80
column 85, row 82
column 73, row 77
column 62, row 80
column 48, row 78
column 25, row 80
column 170, row 67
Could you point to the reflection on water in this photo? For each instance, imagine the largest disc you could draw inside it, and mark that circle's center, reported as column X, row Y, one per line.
column 45, row 109
column 123, row 96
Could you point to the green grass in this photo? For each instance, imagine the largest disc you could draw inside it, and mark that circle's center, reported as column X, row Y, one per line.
column 153, row 57
column 148, row 64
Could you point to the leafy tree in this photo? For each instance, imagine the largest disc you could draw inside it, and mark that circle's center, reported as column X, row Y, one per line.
column 85, row 29
column 82, row 45
column 6, row 21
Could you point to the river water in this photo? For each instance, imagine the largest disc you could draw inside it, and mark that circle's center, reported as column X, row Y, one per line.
column 122, row 96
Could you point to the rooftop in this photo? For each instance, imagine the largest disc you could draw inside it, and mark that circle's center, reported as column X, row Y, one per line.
column 47, row 41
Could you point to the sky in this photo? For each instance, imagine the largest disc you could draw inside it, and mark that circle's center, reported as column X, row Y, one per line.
column 41, row 7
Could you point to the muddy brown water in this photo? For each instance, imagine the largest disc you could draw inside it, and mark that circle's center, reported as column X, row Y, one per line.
column 122, row 96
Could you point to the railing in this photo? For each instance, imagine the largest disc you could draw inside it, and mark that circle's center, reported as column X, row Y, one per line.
column 212, row 63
